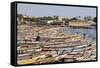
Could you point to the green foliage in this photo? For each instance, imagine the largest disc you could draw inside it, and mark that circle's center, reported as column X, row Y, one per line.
column 74, row 18
column 20, row 16
column 55, row 17
column 95, row 19
column 88, row 18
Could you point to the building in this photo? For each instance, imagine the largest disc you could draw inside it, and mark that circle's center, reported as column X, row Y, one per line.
column 79, row 23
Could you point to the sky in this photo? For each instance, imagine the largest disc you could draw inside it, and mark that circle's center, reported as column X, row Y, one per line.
column 49, row 10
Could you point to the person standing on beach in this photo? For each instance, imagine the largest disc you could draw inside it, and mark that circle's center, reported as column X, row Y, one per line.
column 38, row 38
column 84, row 35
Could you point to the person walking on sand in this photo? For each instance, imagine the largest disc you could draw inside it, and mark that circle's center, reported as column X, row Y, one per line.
column 38, row 38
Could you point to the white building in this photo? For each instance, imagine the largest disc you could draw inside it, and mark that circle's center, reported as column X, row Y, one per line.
column 50, row 21
column 60, row 18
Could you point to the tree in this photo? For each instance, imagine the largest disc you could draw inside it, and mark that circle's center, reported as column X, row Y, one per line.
column 66, row 21
column 20, row 16
column 33, row 19
column 27, row 19
column 78, row 17
column 95, row 19
column 50, row 18
column 56, row 17
column 74, row 18
column 85, row 18
column 88, row 18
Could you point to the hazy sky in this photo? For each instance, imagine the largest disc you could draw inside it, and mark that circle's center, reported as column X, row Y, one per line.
column 49, row 10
